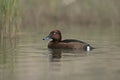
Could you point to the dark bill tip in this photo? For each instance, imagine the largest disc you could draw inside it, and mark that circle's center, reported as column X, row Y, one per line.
column 46, row 38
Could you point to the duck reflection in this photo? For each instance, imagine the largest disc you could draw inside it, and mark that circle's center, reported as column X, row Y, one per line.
column 56, row 54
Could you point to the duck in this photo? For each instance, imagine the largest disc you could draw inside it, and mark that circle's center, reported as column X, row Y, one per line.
column 73, row 44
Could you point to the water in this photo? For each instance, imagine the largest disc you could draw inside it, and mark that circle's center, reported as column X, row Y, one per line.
column 27, row 57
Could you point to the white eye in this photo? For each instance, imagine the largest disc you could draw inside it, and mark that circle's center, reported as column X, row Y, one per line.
column 54, row 33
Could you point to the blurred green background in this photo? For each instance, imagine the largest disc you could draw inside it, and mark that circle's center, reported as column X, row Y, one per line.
column 69, row 12
column 39, row 13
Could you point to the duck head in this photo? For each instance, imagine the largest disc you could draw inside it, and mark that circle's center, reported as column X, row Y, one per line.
column 55, row 35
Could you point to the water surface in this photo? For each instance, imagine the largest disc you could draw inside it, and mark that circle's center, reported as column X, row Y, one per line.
column 27, row 57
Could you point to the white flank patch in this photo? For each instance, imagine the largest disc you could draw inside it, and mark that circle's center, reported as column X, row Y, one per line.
column 88, row 48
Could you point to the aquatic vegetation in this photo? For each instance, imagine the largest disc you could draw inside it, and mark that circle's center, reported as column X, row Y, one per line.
column 8, row 18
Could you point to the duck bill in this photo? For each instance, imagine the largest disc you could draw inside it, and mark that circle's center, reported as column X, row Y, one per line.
column 47, row 37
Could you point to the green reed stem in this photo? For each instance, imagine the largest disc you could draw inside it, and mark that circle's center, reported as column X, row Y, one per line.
column 8, row 17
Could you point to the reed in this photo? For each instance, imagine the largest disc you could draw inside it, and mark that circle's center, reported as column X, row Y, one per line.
column 8, row 18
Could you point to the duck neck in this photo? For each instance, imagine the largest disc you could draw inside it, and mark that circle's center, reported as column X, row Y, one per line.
column 56, row 40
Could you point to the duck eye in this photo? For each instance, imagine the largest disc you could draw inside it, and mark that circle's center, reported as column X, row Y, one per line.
column 54, row 33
